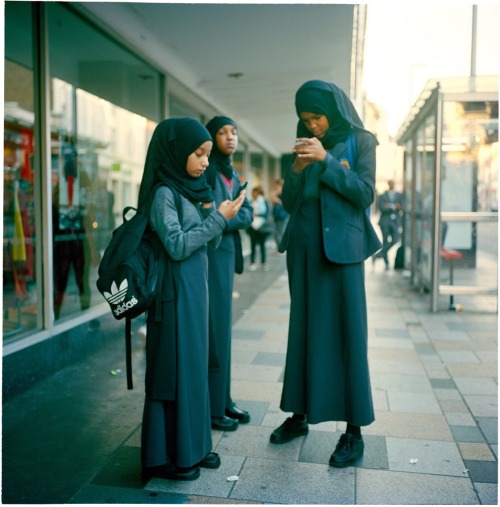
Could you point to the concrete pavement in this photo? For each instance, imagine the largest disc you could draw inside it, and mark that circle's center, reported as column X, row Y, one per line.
column 75, row 437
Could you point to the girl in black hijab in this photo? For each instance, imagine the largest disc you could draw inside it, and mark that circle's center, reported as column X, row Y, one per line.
column 329, row 235
column 222, row 264
column 170, row 146
column 176, row 433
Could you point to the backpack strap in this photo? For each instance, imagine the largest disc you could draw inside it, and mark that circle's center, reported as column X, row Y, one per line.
column 128, row 352
column 161, row 272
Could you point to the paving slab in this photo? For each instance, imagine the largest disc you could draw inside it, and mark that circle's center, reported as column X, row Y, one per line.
column 254, row 442
column 421, row 403
column 459, row 418
column 488, row 493
column 380, row 487
column 400, row 382
column 467, row 434
column 489, row 428
column 482, row 471
column 476, row 452
column 272, row 481
column 482, row 406
column 475, row 385
column 424, row 457
column 256, row 371
column 383, row 365
column 410, row 425
column 212, row 483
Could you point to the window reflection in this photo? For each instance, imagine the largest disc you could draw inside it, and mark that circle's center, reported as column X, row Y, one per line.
column 19, row 233
column 98, row 152
column 104, row 105
column 470, row 184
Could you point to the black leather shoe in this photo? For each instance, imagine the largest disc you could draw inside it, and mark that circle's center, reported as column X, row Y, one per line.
column 224, row 423
column 211, row 460
column 290, row 429
column 237, row 413
column 171, row 472
column 348, row 451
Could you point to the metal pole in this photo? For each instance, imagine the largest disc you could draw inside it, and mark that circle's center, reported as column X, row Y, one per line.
column 436, row 213
column 43, row 180
column 473, row 42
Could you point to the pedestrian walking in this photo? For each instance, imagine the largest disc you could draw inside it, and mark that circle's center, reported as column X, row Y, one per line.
column 176, row 433
column 390, row 205
column 280, row 216
column 328, row 237
column 222, row 265
column 260, row 228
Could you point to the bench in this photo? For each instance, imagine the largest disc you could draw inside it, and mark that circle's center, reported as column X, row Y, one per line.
column 451, row 255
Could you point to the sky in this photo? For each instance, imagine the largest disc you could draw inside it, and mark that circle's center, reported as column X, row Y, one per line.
column 408, row 43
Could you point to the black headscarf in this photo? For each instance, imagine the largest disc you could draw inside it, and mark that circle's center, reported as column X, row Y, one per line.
column 171, row 144
column 321, row 97
column 219, row 162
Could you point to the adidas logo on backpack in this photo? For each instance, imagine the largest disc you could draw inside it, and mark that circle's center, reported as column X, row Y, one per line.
column 117, row 296
column 128, row 271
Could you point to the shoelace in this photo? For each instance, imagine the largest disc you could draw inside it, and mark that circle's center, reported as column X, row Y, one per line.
column 346, row 440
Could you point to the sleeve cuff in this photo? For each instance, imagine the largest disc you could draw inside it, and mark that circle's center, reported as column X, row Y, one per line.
column 327, row 160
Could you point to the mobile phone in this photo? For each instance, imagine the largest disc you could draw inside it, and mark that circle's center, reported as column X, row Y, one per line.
column 244, row 186
column 300, row 143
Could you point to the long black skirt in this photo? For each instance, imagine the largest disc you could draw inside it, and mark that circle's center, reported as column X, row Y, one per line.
column 178, row 431
column 326, row 374
column 220, row 285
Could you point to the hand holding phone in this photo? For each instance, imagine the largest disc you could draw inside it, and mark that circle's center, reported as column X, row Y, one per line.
column 298, row 143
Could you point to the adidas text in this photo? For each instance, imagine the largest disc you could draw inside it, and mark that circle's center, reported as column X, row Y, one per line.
column 125, row 306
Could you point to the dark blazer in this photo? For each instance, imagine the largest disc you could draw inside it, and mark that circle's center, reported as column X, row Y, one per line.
column 345, row 194
column 389, row 209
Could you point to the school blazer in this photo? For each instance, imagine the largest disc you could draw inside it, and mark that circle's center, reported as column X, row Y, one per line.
column 345, row 194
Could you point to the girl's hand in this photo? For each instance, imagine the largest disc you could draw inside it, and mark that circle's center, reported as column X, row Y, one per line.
column 311, row 151
column 230, row 208
column 207, row 204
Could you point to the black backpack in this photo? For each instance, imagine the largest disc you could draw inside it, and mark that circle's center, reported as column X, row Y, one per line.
column 131, row 271
column 128, row 271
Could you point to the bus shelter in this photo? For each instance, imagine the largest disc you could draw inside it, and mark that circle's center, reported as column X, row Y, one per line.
column 450, row 226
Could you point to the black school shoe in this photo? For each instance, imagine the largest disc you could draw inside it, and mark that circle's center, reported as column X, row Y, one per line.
column 348, row 451
column 171, row 472
column 290, row 429
column 211, row 460
column 224, row 423
column 237, row 413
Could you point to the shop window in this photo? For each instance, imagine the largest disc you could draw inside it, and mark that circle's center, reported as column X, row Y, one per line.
column 104, row 106
column 19, row 234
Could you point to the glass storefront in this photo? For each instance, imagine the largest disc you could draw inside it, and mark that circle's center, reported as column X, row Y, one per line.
column 98, row 104
column 104, row 106
column 20, row 245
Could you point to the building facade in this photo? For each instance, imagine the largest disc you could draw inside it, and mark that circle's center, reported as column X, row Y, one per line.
column 80, row 107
